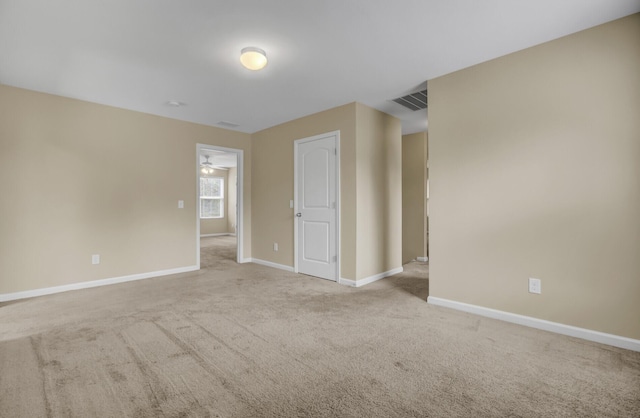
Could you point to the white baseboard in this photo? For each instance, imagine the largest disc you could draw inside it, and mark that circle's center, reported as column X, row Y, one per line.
column 94, row 283
column 216, row 235
column 370, row 279
column 269, row 264
column 423, row 259
column 585, row 334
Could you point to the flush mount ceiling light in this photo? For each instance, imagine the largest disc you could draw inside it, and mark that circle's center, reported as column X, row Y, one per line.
column 253, row 58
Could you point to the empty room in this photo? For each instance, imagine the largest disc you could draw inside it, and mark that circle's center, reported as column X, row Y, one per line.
column 319, row 208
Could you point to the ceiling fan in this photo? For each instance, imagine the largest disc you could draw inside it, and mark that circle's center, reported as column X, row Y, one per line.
column 207, row 167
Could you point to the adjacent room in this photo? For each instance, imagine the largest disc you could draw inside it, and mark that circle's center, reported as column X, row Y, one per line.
column 320, row 209
column 218, row 209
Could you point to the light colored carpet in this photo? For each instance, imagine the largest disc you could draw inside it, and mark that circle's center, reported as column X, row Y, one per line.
column 218, row 253
column 251, row 341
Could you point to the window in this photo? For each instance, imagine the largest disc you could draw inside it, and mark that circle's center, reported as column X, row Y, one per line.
column 211, row 197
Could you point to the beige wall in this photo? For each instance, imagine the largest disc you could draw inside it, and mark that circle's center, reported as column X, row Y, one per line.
column 78, row 179
column 534, row 171
column 272, row 171
column 414, row 182
column 218, row 225
column 370, row 188
column 378, row 192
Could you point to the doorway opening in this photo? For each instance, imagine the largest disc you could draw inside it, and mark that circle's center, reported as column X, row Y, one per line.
column 219, row 181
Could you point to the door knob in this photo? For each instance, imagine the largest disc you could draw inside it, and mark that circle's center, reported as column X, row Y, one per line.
column 299, row 215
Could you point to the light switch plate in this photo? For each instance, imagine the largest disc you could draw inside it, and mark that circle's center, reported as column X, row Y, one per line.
column 180, row 204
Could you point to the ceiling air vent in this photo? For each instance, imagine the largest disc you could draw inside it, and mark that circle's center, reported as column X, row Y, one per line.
column 413, row 101
column 226, row 124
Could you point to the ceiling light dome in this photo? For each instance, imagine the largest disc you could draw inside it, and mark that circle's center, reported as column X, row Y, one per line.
column 253, row 58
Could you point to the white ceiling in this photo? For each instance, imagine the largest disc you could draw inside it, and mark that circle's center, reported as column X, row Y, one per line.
column 139, row 54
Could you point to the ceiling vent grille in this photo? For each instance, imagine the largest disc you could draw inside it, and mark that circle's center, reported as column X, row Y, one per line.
column 226, row 124
column 413, row 101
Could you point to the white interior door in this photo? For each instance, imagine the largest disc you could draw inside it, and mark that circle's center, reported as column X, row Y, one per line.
column 316, row 206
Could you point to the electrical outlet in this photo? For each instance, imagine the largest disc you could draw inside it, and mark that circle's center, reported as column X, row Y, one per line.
column 275, row 246
column 535, row 286
column 95, row 259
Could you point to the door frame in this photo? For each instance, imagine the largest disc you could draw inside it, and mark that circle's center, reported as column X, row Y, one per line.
column 239, row 198
column 336, row 134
